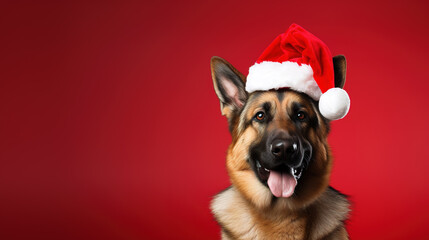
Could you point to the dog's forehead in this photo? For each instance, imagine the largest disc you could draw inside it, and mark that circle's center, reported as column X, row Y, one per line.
column 276, row 99
column 258, row 98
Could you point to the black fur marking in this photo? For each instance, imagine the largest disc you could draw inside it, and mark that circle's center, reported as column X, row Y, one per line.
column 256, row 94
column 267, row 109
column 266, row 106
column 281, row 95
column 296, row 106
column 313, row 122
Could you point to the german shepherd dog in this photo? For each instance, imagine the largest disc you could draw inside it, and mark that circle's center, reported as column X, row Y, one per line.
column 282, row 133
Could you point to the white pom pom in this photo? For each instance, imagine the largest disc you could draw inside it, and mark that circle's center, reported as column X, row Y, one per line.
column 334, row 104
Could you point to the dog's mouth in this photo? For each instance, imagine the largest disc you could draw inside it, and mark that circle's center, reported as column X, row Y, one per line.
column 281, row 181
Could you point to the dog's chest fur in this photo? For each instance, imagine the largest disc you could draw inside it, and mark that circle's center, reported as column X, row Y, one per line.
column 324, row 219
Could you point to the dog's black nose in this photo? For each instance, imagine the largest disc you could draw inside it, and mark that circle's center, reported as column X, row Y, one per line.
column 278, row 147
column 284, row 149
column 281, row 147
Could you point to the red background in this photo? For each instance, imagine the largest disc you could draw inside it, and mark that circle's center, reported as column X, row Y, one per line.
column 110, row 128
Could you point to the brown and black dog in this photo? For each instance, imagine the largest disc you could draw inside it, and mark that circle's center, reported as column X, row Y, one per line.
column 276, row 131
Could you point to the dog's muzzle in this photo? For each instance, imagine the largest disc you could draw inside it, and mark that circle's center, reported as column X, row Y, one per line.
column 281, row 163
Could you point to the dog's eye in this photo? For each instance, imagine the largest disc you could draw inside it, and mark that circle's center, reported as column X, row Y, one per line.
column 260, row 116
column 301, row 115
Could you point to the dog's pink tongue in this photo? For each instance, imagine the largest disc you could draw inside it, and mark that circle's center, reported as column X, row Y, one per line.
column 281, row 184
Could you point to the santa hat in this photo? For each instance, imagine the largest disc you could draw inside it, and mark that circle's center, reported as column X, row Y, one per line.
column 298, row 60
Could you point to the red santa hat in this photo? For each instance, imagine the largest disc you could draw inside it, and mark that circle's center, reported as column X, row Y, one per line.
column 298, row 60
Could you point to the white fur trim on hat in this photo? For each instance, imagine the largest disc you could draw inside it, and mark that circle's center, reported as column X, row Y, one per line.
column 274, row 75
column 334, row 104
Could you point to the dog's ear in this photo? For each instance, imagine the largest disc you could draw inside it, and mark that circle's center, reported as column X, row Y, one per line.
column 229, row 86
column 340, row 68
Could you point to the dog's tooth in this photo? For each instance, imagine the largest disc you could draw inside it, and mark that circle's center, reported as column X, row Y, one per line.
column 266, row 170
column 295, row 173
column 295, row 146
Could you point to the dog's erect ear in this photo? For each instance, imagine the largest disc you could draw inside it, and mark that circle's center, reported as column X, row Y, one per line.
column 340, row 68
column 229, row 86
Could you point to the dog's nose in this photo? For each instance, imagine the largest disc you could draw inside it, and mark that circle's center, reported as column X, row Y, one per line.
column 285, row 151
column 278, row 147
column 282, row 148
